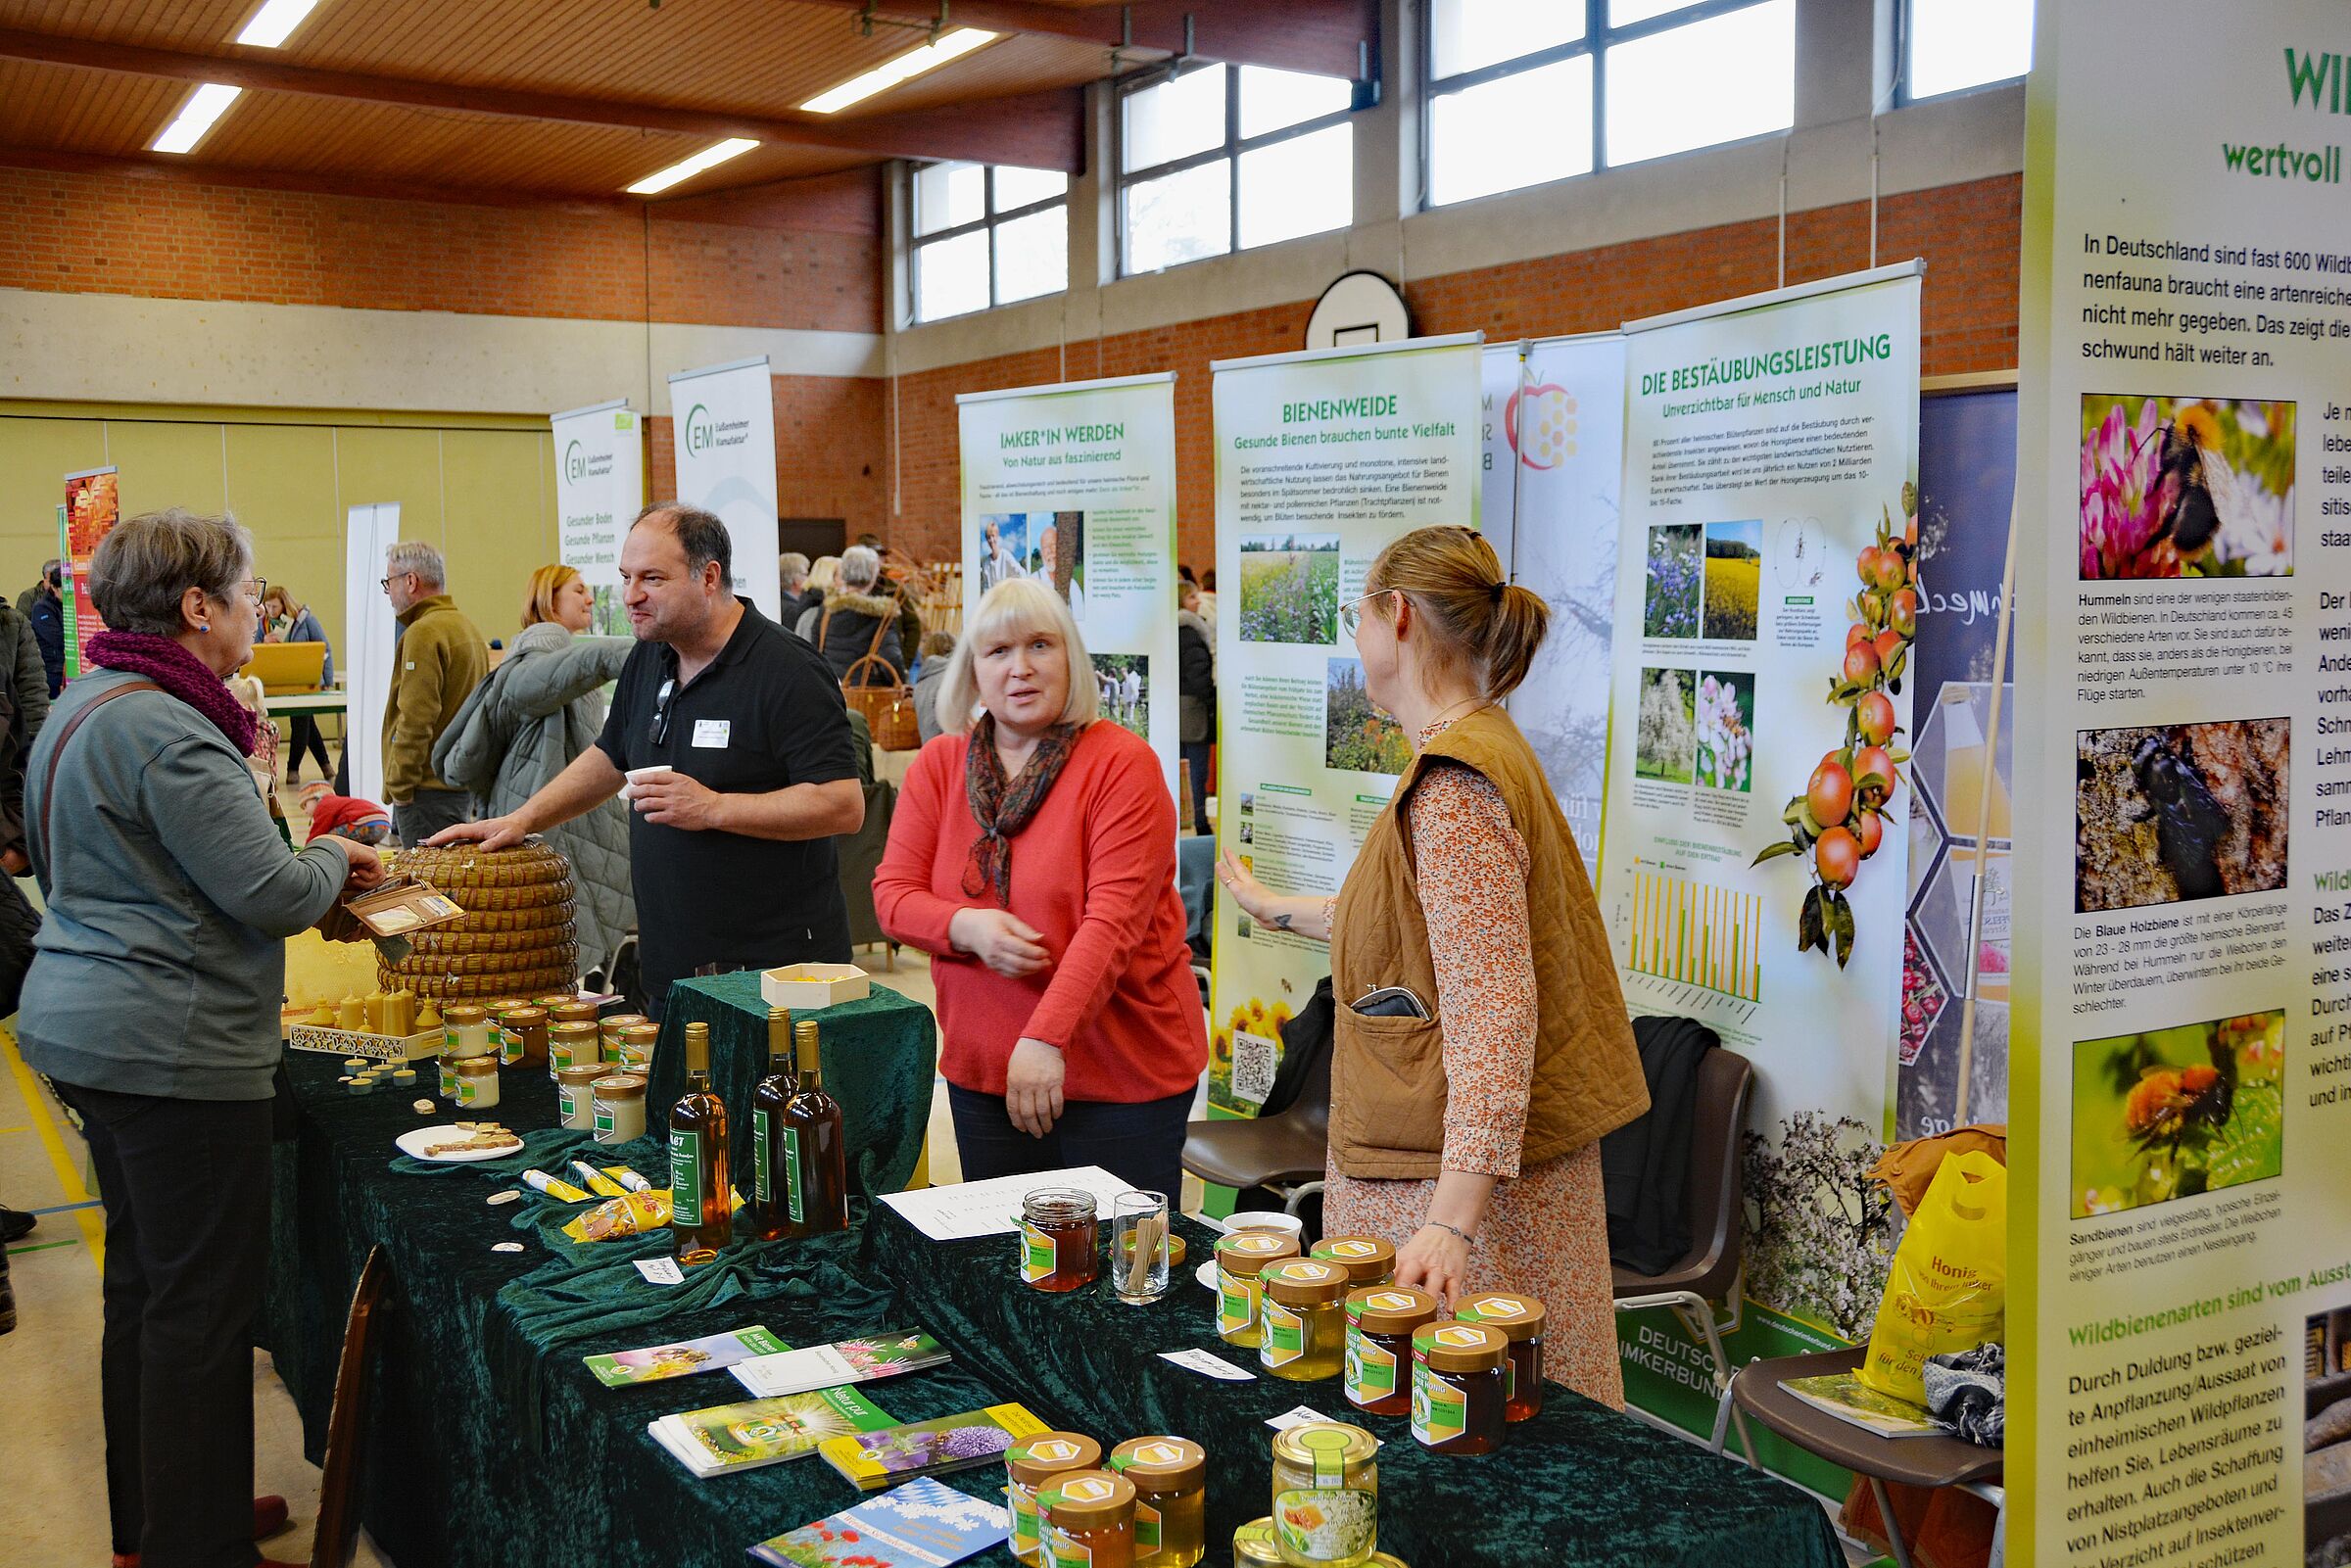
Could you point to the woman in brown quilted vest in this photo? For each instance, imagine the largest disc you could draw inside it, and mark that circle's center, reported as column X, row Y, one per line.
column 1464, row 1121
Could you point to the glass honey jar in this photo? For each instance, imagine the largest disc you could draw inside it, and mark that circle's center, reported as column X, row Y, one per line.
column 1240, row 1258
column 1170, row 1499
column 1326, row 1494
column 1367, row 1259
column 1521, row 1319
column 1060, row 1239
column 1380, row 1320
column 1030, row 1465
column 1089, row 1520
column 612, row 1025
column 1302, row 1308
column 635, row 1050
column 573, row 1044
column 1459, row 1379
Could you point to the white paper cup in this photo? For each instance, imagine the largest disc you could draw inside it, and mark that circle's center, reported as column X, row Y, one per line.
column 637, row 776
column 1269, row 1219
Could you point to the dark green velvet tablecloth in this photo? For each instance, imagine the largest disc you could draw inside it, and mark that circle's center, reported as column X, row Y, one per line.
column 490, row 1444
column 879, row 1054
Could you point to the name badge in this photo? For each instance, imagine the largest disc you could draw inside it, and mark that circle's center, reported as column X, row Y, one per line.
column 712, row 732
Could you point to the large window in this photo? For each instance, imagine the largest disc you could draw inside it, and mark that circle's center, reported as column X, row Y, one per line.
column 1526, row 91
column 1951, row 45
column 987, row 234
column 1224, row 158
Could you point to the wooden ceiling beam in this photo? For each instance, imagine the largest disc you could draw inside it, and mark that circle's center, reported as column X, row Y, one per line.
column 1038, row 130
column 1328, row 38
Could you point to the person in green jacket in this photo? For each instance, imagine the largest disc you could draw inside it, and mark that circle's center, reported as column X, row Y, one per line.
column 440, row 659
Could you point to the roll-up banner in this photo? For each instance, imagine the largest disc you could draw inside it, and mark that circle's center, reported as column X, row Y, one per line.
column 1322, row 458
column 1760, row 799
column 723, row 427
column 2180, row 1280
column 1554, row 468
column 93, row 505
column 370, row 634
column 600, row 488
column 1073, row 485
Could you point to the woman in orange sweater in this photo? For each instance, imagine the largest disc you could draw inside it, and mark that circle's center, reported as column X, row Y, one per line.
column 1032, row 855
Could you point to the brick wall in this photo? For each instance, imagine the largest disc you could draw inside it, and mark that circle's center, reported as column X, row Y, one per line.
column 1968, row 233
column 101, row 233
column 832, row 451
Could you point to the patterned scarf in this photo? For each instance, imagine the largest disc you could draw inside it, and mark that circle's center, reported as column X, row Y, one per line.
column 1003, row 809
column 167, row 664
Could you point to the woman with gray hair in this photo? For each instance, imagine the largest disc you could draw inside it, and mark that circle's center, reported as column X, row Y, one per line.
column 857, row 618
column 151, row 1003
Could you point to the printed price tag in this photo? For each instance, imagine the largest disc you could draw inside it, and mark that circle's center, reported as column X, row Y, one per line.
column 1208, row 1366
column 661, row 1271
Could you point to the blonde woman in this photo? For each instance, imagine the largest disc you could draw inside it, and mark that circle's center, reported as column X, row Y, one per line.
column 1469, row 1136
column 540, row 710
column 1032, row 854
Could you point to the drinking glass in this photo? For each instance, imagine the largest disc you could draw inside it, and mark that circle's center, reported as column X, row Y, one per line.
column 1138, row 1247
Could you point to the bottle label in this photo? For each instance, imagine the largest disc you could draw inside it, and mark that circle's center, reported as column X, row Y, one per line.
column 795, row 1192
column 1236, row 1302
column 604, row 1120
column 684, row 1178
column 1371, row 1371
column 449, row 1079
column 1063, row 1551
column 566, row 1102
column 1325, row 1524
column 509, row 1046
column 1285, row 1335
column 1440, row 1411
column 1146, row 1528
column 1038, row 1254
column 467, row 1093
column 1024, row 1538
column 759, row 1176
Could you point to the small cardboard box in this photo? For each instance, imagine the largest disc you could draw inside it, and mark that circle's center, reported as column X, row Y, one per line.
column 805, row 987
column 402, row 907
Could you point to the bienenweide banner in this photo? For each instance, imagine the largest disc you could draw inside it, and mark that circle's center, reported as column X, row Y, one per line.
column 1554, row 465
column 1758, row 796
column 2180, row 1256
column 93, row 505
column 600, row 488
column 1322, row 458
column 1073, row 485
column 723, row 426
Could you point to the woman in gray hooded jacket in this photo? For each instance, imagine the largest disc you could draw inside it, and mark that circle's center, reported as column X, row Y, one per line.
column 538, row 710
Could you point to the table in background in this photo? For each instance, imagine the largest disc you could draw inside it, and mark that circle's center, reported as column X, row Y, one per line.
column 286, row 704
column 879, row 1054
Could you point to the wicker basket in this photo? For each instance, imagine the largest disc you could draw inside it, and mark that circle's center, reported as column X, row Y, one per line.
column 517, row 935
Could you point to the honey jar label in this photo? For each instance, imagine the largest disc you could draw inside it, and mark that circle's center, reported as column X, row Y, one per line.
column 1325, row 1524
column 1371, row 1371
column 1146, row 1528
column 1038, row 1255
column 1062, row 1552
column 759, row 1174
column 509, row 1046
column 794, row 1203
column 1440, row 1411
column 1026, row 1540
column 685, row 1179
column 568, row 1107
column 466, row 1092
column 604, row 1120
column 1236, row 1302
column 1285, row 1335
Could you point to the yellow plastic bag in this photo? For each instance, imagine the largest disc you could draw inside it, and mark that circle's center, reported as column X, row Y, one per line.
column 1950, row 1286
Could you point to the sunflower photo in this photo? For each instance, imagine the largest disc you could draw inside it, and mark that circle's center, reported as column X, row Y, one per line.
column 2187, row 487
column 2171, row 1113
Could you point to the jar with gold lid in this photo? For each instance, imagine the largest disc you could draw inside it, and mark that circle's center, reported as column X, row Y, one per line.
column 522, row 1034
column 1303, row 1306
column 1240, row 1258
column 575, row 1095
column 619, row 1109
column 1367, row 1259
column 1326, row 1494
column 574, row 1043
column 1521, row 1319
column 1380, row 1320
column 575, row 1011
column 467, row 1031
column 611, row 1023
column 1457, row 1385
column 635, row 1049
column 477, row 1082
column 1170, row 1499
column 1030, row 1465
column 1089, row 1520
column 1253, row 1545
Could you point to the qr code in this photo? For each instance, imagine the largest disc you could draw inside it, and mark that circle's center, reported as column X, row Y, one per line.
column 1254, row 1059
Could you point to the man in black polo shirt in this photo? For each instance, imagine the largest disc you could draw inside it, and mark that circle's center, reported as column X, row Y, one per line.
column 731, row 852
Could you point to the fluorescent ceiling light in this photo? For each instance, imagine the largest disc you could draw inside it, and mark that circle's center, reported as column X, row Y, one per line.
column 274, row 22
column 708, row 158
column 204, row 105
column 888, row 74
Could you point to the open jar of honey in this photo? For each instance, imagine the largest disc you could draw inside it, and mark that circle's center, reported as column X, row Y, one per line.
column 1302, row 1309
column 1060, row 1238
column 1380, row 1320
column 1240, row 1258
column 1367, row 1259
column 1521, row 1320
column 1028, row 1466
column 1458, row 1385
column 1170, row 1499
column 1089, row 1520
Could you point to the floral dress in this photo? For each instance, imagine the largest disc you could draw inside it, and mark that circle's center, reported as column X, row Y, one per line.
column 1546, row 1231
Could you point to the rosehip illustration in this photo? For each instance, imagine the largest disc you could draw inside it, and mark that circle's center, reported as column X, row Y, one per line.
column 1855, row 632
column 1902, row 613
column 1865, row 565
column 1862, row 663
column 1889, row 642
column 1876, row 715
column 1829, row 796
column 1837, row 857
column 1870, row 828
column 1890, row 570
column 1877, row 760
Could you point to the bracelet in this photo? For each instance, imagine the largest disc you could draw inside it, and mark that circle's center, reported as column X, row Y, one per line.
column 1467, row 1240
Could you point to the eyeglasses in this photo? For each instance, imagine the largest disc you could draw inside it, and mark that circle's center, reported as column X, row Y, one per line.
column 259, row 589
column 670, row 688
column 1351, row 616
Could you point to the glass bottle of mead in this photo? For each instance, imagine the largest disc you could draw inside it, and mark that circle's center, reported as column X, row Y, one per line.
column 815, row 1164
column 770, row 1211
column 700, row 1218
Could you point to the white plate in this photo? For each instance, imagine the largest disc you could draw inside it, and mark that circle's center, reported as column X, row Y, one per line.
column 416, row 1140
column 1205, row 1273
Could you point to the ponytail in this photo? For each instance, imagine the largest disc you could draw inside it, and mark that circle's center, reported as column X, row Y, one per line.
column 1483, row 624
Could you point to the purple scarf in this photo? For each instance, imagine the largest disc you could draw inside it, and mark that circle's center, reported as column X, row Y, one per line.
column 172, row 667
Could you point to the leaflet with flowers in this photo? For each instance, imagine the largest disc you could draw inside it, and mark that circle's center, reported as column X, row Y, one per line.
column 923, row 1524
column 888, row 1455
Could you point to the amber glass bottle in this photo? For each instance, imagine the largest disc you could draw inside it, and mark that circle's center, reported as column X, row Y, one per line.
column 770, row 1214
column 816, row 1167
column 699, row 1221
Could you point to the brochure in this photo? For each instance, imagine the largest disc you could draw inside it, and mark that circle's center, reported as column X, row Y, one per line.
column 743, row 1437
column 886, row 1456
column 709, row 1354
column 1848, row 1398
column 826, row 1367
column 921, row 1524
